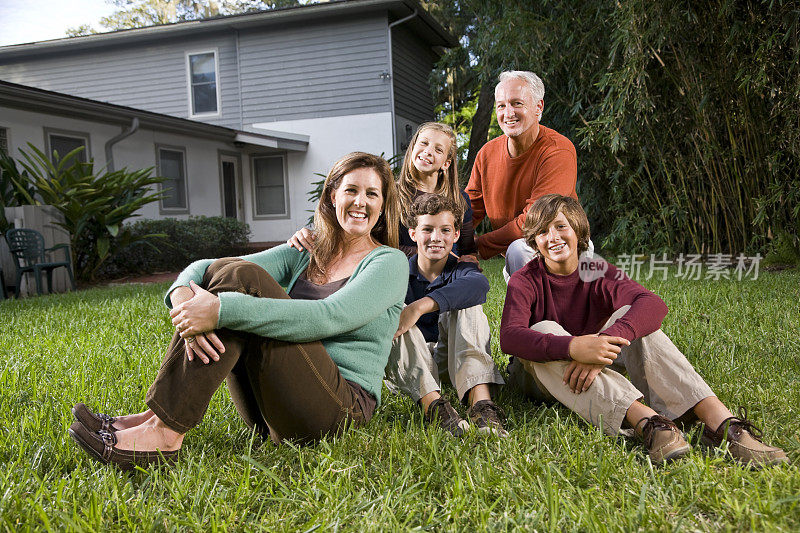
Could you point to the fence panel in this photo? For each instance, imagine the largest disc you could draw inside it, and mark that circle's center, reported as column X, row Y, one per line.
column 42, row 218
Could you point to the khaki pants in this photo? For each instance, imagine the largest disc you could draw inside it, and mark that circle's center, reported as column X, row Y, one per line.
column 659, row 373
column 416, row 367
column 280, row 389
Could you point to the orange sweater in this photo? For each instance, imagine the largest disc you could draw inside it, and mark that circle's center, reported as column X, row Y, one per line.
column 503, row 188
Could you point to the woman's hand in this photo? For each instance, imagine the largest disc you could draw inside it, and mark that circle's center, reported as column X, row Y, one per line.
column 468, row 258
column 302, row 239
column 198, row 315
column 206, row 346
column 180, row 294
column 596, row 350
column 579, row 376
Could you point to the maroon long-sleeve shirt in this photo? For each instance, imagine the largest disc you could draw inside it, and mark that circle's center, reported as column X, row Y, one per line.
column 580, row 307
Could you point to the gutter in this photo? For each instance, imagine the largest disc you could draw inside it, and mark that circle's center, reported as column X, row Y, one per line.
column 114, row 140
column 391, row 77
column 281, row 17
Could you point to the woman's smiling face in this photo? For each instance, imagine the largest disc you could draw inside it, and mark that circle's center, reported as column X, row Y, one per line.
column 358, row 201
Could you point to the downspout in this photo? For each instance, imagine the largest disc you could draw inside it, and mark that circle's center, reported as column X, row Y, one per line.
column 239, row 80
column 114, row 140
column 391, row 78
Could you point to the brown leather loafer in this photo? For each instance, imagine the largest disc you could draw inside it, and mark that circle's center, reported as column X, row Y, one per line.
column 94, row 422
column 744, row 442
column 100, row 447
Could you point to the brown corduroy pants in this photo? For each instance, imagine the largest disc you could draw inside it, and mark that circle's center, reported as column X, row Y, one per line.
column 281, row 389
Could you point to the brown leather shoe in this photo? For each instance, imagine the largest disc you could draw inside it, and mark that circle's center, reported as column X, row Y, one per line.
column 488, row 418
column 100, row 447
column 744, row 442
column 93, row 421
column 441, row 413
column 663, row 439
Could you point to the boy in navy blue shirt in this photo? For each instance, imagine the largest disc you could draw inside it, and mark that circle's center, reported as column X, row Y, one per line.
column 443, row 330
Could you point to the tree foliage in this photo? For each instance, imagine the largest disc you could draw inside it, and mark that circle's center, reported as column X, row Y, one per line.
column 142, row 13
column 463, row 83
column 684, row 114
column 15, row 187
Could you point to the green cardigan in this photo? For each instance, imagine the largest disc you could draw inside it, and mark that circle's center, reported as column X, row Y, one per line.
column 355, row 324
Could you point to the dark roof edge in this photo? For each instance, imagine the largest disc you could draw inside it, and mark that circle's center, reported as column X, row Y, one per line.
column 50, row 102
column 234, row 22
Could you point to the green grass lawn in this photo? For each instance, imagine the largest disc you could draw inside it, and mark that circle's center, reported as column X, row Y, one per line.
column 554, row 473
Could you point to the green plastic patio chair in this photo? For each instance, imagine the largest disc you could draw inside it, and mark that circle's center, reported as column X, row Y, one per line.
column 30, row 256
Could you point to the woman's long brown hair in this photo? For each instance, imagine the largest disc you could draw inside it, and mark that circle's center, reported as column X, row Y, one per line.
column 328, row 231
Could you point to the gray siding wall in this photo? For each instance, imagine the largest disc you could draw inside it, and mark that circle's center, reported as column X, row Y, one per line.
column 145, row 76
column 412, row 64
column 323, row 69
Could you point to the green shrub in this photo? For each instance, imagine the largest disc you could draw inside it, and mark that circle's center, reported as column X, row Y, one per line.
column 783, row 250
column 176, row 243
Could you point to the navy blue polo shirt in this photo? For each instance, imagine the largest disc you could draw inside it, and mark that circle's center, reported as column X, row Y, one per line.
column 459, row 286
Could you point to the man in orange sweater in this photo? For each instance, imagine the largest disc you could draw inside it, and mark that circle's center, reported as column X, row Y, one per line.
column 514, row 170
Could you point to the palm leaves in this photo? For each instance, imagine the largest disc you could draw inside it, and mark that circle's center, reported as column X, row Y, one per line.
column 93, row 204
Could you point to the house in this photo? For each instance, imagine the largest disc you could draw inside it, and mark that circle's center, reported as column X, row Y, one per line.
column 239, row 113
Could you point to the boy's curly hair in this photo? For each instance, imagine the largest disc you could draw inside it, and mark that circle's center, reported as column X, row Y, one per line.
column 433, row 204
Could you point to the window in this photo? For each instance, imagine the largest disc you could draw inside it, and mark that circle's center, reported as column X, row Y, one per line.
column 269, row 182
column 203, row 83
column 4, row 140
column 60, row 143
column 172, row 167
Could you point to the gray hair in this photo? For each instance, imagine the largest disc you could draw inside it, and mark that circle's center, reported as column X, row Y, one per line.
column 530, row 79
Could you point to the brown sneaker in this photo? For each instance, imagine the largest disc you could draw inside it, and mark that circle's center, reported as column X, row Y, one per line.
column 663, row 439
column 744, row 442
column 441, row 413
column 488, row 418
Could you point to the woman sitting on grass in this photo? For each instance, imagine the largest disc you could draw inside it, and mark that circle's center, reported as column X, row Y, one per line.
column 298, row 366
column 566, row 319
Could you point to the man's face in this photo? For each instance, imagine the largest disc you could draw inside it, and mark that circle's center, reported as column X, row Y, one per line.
column 434, row 235
column 515, row 108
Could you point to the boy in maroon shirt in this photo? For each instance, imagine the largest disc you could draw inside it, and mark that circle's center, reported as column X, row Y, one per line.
column 571, row 322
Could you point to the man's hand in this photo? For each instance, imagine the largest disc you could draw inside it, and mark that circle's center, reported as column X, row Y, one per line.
column 302, row 239
column 411, row 313
column 579, row 376
column 596, row 350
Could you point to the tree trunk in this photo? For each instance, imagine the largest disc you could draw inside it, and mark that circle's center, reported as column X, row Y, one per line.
column 480, row 126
